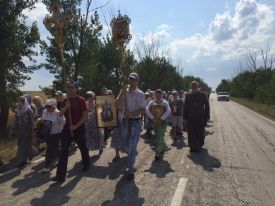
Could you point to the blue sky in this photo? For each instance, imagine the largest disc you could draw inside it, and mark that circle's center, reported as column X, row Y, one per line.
column 209, row 37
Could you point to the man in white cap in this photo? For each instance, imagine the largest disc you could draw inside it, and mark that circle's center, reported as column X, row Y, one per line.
column 134, row 107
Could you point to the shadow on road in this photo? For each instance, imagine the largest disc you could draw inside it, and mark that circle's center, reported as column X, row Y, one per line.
column 178, row 142
column 56, row 195
column 10, row 176
column 31, row 180
column 126, row 193
column 160, row 168
column 208, row 162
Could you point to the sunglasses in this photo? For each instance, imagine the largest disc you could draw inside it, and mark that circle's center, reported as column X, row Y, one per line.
column 48, row 106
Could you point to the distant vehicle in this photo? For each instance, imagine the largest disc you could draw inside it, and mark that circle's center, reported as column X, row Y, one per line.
column 223, row 96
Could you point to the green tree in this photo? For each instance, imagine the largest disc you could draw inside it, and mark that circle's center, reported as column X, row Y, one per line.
column 224, row 86
column 17, row 41
column 158, row 72
column 103, row 68
column 82, row 32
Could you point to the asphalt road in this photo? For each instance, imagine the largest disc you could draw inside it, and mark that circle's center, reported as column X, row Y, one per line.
column 237, row 167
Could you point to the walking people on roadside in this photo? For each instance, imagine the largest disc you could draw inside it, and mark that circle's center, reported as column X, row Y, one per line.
column 134, row 107
column 52, row 126
column 76, row 115
column 159, row 122
column 196, row 114
column 22, row 129
column 176, row 117
column 94, row 137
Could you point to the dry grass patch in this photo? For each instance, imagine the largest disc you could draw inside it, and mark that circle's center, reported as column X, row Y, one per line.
column 266, row 110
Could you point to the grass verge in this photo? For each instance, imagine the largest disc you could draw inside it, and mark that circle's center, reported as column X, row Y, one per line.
column 8, row 150
column 263, row 109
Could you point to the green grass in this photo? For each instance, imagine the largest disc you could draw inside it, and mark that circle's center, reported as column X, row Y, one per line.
column 263, row 109
column 8, row 146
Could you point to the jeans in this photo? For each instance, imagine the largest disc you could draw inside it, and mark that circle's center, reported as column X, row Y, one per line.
column 66, row 140
column 131, row 135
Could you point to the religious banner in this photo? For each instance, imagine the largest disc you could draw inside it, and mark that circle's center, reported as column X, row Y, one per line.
column 106, row 111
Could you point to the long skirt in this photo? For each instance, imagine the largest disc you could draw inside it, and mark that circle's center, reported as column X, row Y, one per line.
column 94, row 137
column 118, row 140
column 24, row 145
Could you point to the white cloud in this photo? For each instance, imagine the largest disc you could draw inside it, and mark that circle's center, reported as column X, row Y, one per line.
column 231, row 35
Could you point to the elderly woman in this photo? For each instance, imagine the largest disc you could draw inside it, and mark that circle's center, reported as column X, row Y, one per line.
column 52, row 125
column 94, row 137
column 23, row 126
column 37, row 101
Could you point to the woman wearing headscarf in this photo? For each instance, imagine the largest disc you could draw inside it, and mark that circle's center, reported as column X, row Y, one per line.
column 94, row 137
column 23, row 126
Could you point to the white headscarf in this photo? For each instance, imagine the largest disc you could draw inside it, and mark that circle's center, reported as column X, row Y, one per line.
column 26, row 107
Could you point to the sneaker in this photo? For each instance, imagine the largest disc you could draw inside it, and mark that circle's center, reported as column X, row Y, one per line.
column 58, row 180
column 131, row 176
column 45, row 170
column 116, row 158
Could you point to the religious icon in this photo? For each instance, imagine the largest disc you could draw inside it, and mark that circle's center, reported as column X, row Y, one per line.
column 106, row 111
column 157, row 111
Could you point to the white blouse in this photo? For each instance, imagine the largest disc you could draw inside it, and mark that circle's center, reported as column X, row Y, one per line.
column 163, row 103
column 57, row 121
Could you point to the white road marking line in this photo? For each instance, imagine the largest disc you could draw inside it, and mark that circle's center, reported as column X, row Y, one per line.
column 8, row 172
column 176, row 201
column 247, row 109
column 13, row 170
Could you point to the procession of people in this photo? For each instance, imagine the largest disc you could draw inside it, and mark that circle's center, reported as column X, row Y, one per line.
column 73, row 118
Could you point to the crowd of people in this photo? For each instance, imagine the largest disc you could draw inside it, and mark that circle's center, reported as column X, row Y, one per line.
column 72, row 118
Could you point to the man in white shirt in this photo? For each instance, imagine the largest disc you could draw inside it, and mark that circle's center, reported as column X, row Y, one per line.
column 134, row 107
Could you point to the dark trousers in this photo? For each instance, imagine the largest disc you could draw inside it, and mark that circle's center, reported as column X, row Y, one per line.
column 66, row 140
column 52, row 151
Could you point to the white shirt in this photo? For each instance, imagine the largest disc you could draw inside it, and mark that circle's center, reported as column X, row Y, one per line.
column 163, row 103
column 135, row 101
column 57, row 121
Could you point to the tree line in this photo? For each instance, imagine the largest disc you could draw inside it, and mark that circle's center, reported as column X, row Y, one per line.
column 96, row 58
column 255, row 80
